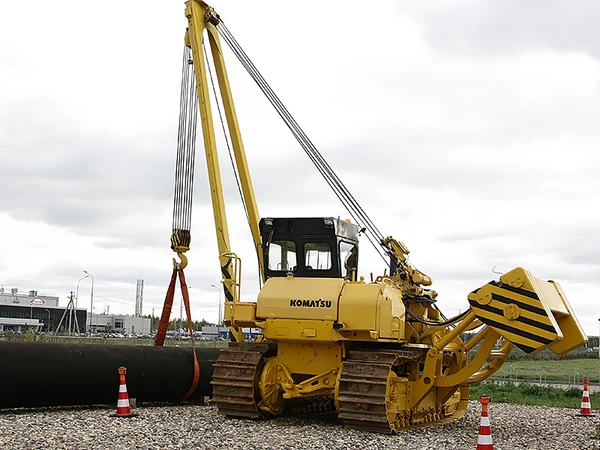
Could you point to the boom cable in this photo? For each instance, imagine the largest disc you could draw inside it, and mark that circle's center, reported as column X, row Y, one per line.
column 354, row 209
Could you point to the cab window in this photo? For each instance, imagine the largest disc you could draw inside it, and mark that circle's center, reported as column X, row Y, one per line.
column 317, row 255
column 282, row 255
column 349, row 258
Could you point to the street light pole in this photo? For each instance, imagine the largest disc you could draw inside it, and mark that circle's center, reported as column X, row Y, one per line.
column 220, row 318
column 599, row 338
column 91, row 301
column 77, row 295
column 48, row 327
column 77, row 290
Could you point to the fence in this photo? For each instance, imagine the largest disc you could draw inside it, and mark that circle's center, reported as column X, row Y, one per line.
column 540, row 377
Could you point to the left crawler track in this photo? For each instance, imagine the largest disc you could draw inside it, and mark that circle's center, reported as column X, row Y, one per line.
column 235, row 378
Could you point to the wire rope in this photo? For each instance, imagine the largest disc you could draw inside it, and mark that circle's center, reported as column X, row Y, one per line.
column 341, row 191
column 186, row 154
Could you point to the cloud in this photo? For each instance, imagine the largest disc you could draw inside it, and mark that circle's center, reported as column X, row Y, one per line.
column 467, row 130
column 505, row 27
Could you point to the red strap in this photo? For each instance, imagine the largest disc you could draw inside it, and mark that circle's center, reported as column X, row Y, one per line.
column 164, row 323
column 188, row 311
column 166, row 312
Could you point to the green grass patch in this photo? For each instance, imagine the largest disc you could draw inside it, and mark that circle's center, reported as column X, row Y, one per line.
column 532, row 394
column 555, row 370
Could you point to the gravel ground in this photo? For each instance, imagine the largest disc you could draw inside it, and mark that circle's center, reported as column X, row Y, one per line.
column 514, row 427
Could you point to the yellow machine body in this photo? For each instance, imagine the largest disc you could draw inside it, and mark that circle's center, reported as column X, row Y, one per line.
column 330, row 338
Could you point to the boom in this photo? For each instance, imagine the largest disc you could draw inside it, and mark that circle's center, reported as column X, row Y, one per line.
column 202, row 17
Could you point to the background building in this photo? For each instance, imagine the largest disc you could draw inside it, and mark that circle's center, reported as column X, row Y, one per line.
column 119, row 323
column 20, row 311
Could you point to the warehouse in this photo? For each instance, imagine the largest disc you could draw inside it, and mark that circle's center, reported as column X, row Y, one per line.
column 20, row 311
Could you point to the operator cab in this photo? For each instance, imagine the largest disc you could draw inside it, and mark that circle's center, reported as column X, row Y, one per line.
column 321, row 247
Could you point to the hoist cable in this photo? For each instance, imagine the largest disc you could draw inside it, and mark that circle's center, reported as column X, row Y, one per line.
column 180, row 153
column 186, row 154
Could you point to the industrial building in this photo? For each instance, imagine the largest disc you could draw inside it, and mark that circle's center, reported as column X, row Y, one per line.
column 20, row 311
column 120, row 323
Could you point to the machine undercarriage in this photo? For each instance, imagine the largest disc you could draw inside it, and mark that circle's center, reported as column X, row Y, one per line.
column 371, row 392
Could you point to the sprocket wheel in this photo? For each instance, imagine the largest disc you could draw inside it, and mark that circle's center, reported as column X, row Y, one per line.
column 270, row 391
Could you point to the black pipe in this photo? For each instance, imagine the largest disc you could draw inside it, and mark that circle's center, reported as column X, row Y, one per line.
column 49, row 374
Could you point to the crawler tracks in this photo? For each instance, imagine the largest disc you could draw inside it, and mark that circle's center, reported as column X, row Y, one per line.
column 365, row 400
column 235, row 378
column 372, row 393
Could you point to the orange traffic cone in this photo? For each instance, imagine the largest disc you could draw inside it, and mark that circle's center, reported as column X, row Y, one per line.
column 484, row 441
column 123, row 407
column 586, row 407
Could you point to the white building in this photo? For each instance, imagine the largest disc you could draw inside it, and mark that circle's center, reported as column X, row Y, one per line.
column 119, row 323
column 20, row 312
column 32, row 299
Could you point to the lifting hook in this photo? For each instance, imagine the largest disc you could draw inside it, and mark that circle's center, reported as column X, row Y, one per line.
column 183, row 263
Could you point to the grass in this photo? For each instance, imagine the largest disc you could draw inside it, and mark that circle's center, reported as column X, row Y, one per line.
column 504, row 389
column 554, row 370
column 532, row 394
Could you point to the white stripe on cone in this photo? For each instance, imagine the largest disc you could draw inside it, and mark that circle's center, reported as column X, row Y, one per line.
column 484, row 439
column 122, row 388
column 122, row 403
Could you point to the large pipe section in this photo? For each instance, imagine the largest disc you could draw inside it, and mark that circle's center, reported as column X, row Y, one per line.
column 49, row 374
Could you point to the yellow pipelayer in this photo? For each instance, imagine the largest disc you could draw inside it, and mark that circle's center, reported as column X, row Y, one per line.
column 379, row 352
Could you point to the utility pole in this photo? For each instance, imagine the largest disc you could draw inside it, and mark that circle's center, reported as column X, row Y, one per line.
column 70, row 312
column 69, row 309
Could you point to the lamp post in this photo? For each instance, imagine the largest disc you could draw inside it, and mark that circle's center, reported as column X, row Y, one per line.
column 599, row 338
column 77, row 290
column 77, row 295
column 91, row 301
column 220, row 319
column 48, row 326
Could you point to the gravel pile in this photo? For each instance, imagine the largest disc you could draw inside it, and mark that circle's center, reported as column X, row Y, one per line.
column 514, row 427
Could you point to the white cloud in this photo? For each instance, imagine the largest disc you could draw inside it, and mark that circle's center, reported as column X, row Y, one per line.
column 474, row 144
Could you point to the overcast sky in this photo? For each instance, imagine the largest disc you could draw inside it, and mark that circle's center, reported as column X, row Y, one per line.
column 467, row 130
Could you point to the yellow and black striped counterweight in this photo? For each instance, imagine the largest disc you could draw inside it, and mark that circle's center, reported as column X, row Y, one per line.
column 531, row 313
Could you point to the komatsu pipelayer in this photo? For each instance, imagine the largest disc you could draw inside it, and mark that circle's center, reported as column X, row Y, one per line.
column 379, row 352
